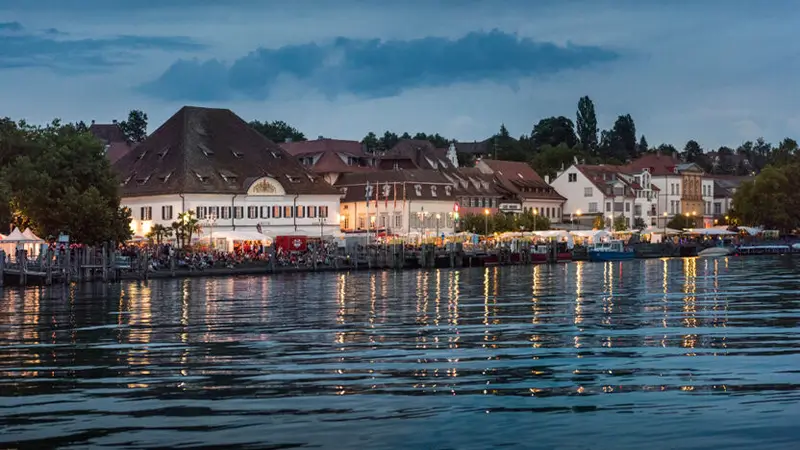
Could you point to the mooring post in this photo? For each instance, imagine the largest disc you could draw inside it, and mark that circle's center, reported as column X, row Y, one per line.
column 2, row 266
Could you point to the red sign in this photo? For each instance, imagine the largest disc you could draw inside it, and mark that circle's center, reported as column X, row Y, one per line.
column 455, row 207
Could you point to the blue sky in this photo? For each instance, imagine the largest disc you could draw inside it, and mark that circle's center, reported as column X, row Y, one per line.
column 718, row 71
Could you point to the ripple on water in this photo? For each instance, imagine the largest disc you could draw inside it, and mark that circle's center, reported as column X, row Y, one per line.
column 688, row 353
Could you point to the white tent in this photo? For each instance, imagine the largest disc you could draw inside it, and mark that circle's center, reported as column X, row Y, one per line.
column 752, row 231
column 709, row 231
column 19, row 238
column 660, row 230
column 592, row 235
column 29, row 234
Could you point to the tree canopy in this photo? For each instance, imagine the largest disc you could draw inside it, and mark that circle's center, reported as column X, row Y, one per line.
column 135, row 128
column 56, row 179
column 278, row 131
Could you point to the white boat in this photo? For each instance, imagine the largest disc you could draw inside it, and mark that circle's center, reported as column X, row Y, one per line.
column 714, row 252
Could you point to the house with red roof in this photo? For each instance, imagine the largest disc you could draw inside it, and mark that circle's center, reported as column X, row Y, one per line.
column 330, row 158
column 523, row 189
column 610, row 192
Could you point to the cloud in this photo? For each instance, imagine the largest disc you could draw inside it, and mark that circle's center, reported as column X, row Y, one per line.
column 23, row 48
column 373, row 68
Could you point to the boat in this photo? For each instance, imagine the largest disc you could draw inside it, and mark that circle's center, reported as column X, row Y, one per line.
column 713, row 252
column 610, row 251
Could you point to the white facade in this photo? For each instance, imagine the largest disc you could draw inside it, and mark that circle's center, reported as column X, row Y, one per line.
column 421, row 216
column 552, row 209
column 669, row 197
column 708, row 197
column 581, row 193
column 266, row 203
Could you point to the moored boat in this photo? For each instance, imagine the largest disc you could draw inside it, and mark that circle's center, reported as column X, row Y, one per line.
column 713, row 252
column 610, row 251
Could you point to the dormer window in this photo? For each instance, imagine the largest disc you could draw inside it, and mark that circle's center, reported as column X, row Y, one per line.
column 275, row 154
column 163, row 153
column 433, row 191
column 141, row 181
column 206, row 151
column 127, row 180
column 201, row 178
column 165, row 178
column 141, row 155
column 292, row 179
column 227, row 177
column 237, row 155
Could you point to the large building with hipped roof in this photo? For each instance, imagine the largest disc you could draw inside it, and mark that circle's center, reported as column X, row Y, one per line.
column 212, row 162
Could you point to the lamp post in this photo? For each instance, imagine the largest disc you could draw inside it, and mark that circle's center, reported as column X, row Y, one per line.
column 421, row 217
column 486, row 222
column 535, row 216
column 665, row 224
column 211, row 220
column 438, row 216
column 321, row 221
column 578, row 213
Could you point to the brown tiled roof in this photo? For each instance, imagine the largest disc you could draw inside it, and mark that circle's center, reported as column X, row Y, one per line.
column 404, row 184
column 657, row 164
column 116, row 150
column 107, row 132
column 475, row 148
column 603, row 174
column 207, row 150
column 352, row 148
column 331, row 162
column 420, row 154
column 520, row 179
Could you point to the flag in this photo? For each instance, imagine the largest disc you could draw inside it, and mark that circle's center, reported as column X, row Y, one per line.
column 377, row 188
column 386, row 196
column 394, row 190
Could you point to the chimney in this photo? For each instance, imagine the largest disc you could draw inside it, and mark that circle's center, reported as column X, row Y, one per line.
column 287, row 140
column 114, row 121
column 547, row 179
column 92, row 121
column 320, row 137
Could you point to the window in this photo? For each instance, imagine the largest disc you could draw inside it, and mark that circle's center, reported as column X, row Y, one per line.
column 383, row 221
column 637, row 210
column 573, row 177
column 252, row 212
column 276, row 212
column 717, row 208
column 166, row 212
column 146, row 213
column 300, row 212
column 362, row 221
column 592, row 207
column 637, row 179
column 201, row 212
column 265, row 212
column 238, row 212
column 323, row 211
column 627, row 207
column 311, row 211
column 288, row 212
column 608, row 206
column 225, row 212
column 398, row 221
column 587, row 192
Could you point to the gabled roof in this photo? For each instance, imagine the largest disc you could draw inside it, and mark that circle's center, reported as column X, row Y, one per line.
column 108, row 132
column 520, row 179
column 116, row 150
column 299, row 148
column 399, row 184
column 208, row 150
column 657, row 164
column 421, row 153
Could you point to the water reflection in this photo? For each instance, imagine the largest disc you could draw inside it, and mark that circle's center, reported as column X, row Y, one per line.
column 318, row 352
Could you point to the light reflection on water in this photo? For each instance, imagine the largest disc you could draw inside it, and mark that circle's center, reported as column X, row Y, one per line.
column 693, row 353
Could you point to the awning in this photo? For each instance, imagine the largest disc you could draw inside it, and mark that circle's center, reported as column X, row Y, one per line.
column 709, row 232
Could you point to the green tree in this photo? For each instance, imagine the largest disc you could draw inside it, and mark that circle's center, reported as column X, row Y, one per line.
column 158, row 233
column 771, row 199
column 553, row 131
column 692, row 152
column 278, row 131
column 680, row 222
column 785, row 153
column 388, row 141
column 599, row 222
column 639, row 224
column 620, row 223
column 643, row 146
column 186, row 227
column 586, row 124
column 135, row 128
column 56, row 179
column 371, row 142
column 549, row 160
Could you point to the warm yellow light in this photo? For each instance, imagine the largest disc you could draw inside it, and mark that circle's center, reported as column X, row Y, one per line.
column 535, row 211
column 372, row 219
column 486, row 211
column 438, row 216
column 578, row 212
column 665, row 214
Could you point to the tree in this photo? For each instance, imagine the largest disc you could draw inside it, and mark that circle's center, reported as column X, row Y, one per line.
column 624, row 131
column 639, row 224
column 620, row 223
column 370, row 142
column 771, row 199
column 388, row 141
column 549, row 160
column 554, row 131
column 56, row 179
column 586, row 123
column 278, row 131
column 643, row 146
column 599, row 222
column 785, row 153
column 692, row 152
column 158, row 233
column 679, row 222
column 135, row 128
column 187, row 226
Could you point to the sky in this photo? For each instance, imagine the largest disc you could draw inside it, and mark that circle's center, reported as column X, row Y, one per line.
column 717, row 71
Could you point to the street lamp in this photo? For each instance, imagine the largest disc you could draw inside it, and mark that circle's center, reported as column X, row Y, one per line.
column 321, row 221
column 438, row 216
column 578, row 213
column 665, row 224
column 211, row 220
column 535, row 216
column 486, row 221
column 421, row 217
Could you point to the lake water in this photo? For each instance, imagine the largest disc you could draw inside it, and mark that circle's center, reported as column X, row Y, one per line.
column 680, row 353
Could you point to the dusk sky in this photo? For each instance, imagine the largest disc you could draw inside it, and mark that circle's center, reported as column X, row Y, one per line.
column 720, row 72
